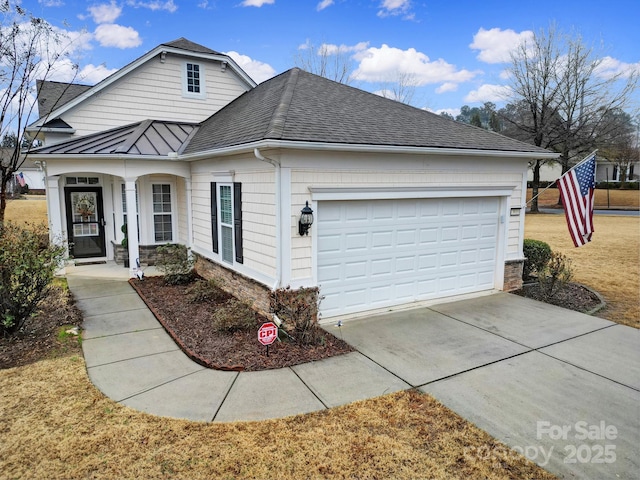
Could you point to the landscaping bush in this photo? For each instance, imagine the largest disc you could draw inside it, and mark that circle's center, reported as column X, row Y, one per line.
column 555, row 275
column 28, row 263
column 300, row 309
column 174, row 261
column 537, row 254
column 205, row 291
column 233, row 316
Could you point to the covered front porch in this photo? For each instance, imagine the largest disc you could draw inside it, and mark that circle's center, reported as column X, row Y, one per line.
column 118, row 195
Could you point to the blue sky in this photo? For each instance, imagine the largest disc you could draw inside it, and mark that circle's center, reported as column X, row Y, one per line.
column 456, row 49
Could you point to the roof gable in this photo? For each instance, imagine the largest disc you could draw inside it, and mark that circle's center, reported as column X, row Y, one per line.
column 180, row 46
column 300, row 106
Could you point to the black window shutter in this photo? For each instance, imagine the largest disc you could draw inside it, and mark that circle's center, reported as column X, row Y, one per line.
column 214, row 217
column 237, row 220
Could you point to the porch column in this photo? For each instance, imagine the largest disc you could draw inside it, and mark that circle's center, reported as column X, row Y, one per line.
column 54, row 210
column 187, row 187
column 132, row 224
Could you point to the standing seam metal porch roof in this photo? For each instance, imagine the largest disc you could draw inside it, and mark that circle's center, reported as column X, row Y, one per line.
column 300, row 106
column 149, row 137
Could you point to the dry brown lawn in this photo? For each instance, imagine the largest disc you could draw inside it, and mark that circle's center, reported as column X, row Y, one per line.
column 31, row 209
column 610, row 263
column 55, row 424
column 617, row 198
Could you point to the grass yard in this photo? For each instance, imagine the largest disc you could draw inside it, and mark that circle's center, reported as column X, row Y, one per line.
column 610, row 263
column 617, row 198
column 31, row 209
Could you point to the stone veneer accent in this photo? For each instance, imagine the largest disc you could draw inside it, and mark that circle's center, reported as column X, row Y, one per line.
column 243, row 288
column 513, row 275
column 148, row 254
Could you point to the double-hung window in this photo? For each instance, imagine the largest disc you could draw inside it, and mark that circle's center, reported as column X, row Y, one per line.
column 226, row 221
column 162, row 214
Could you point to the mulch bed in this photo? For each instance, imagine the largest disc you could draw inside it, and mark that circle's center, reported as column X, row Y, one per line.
column 574, row 297
column 191, row 327
column 38, row 338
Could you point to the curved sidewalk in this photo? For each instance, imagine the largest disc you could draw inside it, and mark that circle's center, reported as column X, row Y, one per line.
column 132, row 360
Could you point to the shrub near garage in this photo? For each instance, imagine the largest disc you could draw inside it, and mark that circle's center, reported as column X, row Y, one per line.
column 28, row 262
column 537, row 254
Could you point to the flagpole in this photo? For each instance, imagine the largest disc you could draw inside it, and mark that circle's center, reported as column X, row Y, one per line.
column 556, row 181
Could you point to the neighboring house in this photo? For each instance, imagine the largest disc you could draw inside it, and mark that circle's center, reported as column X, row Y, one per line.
column 32, row 174
column 605, row 171
column 408, row 206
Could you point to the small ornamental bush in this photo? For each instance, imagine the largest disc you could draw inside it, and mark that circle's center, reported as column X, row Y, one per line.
column 203, row 291
column 537, row 255
column 175, row 263
column 233, row 316
column 555, row 275
column 299, row 308
column 28, row 263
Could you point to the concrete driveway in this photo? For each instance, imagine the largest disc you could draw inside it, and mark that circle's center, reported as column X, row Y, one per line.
column 560, row 387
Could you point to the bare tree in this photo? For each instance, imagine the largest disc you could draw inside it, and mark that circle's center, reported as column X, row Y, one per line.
column 29, row 47
column 329, row 61
column 401, row 87
column 562, row 96
column 620, row 148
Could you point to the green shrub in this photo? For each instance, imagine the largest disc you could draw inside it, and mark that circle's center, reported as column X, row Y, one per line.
column 206, row 291
column 28, row 263
column 174, row 261
column 234, row 315
column 555, row 275
column 537, row 254
column 300, row 309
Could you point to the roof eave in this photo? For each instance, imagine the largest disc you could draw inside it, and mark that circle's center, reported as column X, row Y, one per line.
column 367, row 148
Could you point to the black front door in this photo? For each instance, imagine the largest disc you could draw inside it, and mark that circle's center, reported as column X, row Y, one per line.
column 85, row 222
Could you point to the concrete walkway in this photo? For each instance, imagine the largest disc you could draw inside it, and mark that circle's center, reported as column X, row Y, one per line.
column 560, row 387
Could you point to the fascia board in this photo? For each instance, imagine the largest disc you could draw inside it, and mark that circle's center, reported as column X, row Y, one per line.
column 344, row 147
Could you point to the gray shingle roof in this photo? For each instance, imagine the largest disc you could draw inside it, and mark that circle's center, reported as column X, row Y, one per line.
column 184, row 44
column 150, row 137
column 300, row 106
column 52, row 95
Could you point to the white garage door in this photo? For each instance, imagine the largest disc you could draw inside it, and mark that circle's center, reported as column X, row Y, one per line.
column 374, row 254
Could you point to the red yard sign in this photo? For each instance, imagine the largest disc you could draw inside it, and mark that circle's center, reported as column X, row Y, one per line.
column 267, row 333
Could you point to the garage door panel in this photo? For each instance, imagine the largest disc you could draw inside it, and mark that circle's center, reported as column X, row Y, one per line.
column 389, row 252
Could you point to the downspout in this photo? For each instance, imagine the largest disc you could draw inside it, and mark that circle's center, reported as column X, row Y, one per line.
column 276, row 164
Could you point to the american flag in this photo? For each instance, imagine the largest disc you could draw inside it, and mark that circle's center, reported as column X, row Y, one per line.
column 21, row 180
column 577, row 192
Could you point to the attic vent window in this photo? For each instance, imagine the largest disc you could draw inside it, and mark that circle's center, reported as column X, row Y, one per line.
column 193, row 78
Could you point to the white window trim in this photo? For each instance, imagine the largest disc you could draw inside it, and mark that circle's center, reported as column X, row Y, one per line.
column 185, row 93
column 220, row 224
column 174, row 213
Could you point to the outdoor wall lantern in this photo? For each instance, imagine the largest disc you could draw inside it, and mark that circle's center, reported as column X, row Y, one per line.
column 306, row 220
column 515, row 212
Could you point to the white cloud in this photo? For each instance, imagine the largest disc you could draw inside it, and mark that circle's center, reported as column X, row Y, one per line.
column 105, row 12
column 257, row 70
column 454, row 112
column 257, row 3
column 395, row 7
column 51, row 3
column 332, row 49
column 447, row 87
column 92, row 74
column 386, row 63
column 112, row 35
column 610, row 67
column 488, row 93
column 324, row 4
column 154, row 5
column 496, row 45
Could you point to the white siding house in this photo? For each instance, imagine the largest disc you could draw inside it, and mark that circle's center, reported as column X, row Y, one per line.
column 409, row 207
